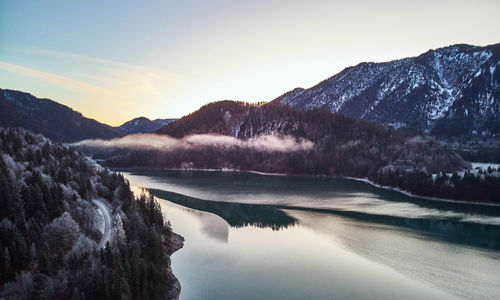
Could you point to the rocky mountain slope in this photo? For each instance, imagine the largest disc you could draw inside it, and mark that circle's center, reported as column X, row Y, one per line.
column 144, row 125
column 448, row 91
column 56, row 121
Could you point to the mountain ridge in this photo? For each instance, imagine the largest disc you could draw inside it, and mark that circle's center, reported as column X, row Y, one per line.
column 144, row 125
column 446, row 91
column 50, row 118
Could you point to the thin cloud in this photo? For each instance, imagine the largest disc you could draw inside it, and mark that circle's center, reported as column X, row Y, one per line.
column 149, row 71
column 48, row 77
column 96, row 82
column 268, row 143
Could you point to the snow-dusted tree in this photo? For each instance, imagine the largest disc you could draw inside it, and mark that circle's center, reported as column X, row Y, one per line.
column 63, row 232
column 118, row 231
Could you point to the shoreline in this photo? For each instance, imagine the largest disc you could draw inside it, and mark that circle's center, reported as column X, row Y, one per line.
column 364, row 180
column 410, row 194
column 176, row 243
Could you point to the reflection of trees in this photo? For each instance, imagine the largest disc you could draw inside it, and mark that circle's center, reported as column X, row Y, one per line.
column 445, row 229
column 450, row 230
column 236, row 214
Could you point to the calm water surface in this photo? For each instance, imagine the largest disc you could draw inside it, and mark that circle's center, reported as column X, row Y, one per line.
column 250, row 236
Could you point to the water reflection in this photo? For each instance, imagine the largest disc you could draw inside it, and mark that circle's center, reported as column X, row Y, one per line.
column 211, row 225
column 449, row 222
column 236, row 214
column 469, row 272
column 327, row 193
column 339, row 239
column 455, row 231
column 214, row 227
column 294, row 263
column 273, row 216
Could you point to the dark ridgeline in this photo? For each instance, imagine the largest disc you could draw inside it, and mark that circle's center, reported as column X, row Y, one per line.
column 342, row 147
column 48, row 231
column 450, row 91
column 56, row 121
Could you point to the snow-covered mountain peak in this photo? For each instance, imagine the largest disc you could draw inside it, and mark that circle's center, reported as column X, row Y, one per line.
column 429, row 92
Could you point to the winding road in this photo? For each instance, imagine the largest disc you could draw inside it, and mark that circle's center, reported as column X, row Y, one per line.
column 106, row 235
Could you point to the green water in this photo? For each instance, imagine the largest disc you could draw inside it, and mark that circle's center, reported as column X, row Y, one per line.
column 250, row 236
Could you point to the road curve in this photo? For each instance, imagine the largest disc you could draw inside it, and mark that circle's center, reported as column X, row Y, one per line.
column 106, row 236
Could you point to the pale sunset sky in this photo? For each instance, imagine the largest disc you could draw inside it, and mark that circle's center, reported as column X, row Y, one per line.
column 117, row 60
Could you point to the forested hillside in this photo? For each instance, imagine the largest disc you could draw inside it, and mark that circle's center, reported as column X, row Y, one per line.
column 339, row 146
column 342, row 145
column 50, row 229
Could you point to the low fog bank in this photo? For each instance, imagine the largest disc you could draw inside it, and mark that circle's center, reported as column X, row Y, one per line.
column 268, row 143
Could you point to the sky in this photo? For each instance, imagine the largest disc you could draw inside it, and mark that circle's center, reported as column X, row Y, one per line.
column 117, row 60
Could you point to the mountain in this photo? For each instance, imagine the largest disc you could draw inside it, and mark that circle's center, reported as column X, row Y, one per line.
column 56, row 121
column 144, row 125
column 349, row 147
column 164, row 122
column 448, row 91
column 342, row 145
column 274, row 138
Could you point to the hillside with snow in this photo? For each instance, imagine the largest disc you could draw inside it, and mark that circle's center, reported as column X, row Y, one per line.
column 453, row 90
column 144, row 125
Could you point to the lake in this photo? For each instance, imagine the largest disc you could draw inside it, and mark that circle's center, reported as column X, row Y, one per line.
column 251, row 236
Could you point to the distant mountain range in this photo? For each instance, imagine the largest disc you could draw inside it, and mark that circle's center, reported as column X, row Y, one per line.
column 449, row 91
column 61, row 123
column 144, row 125
column 56, row 121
